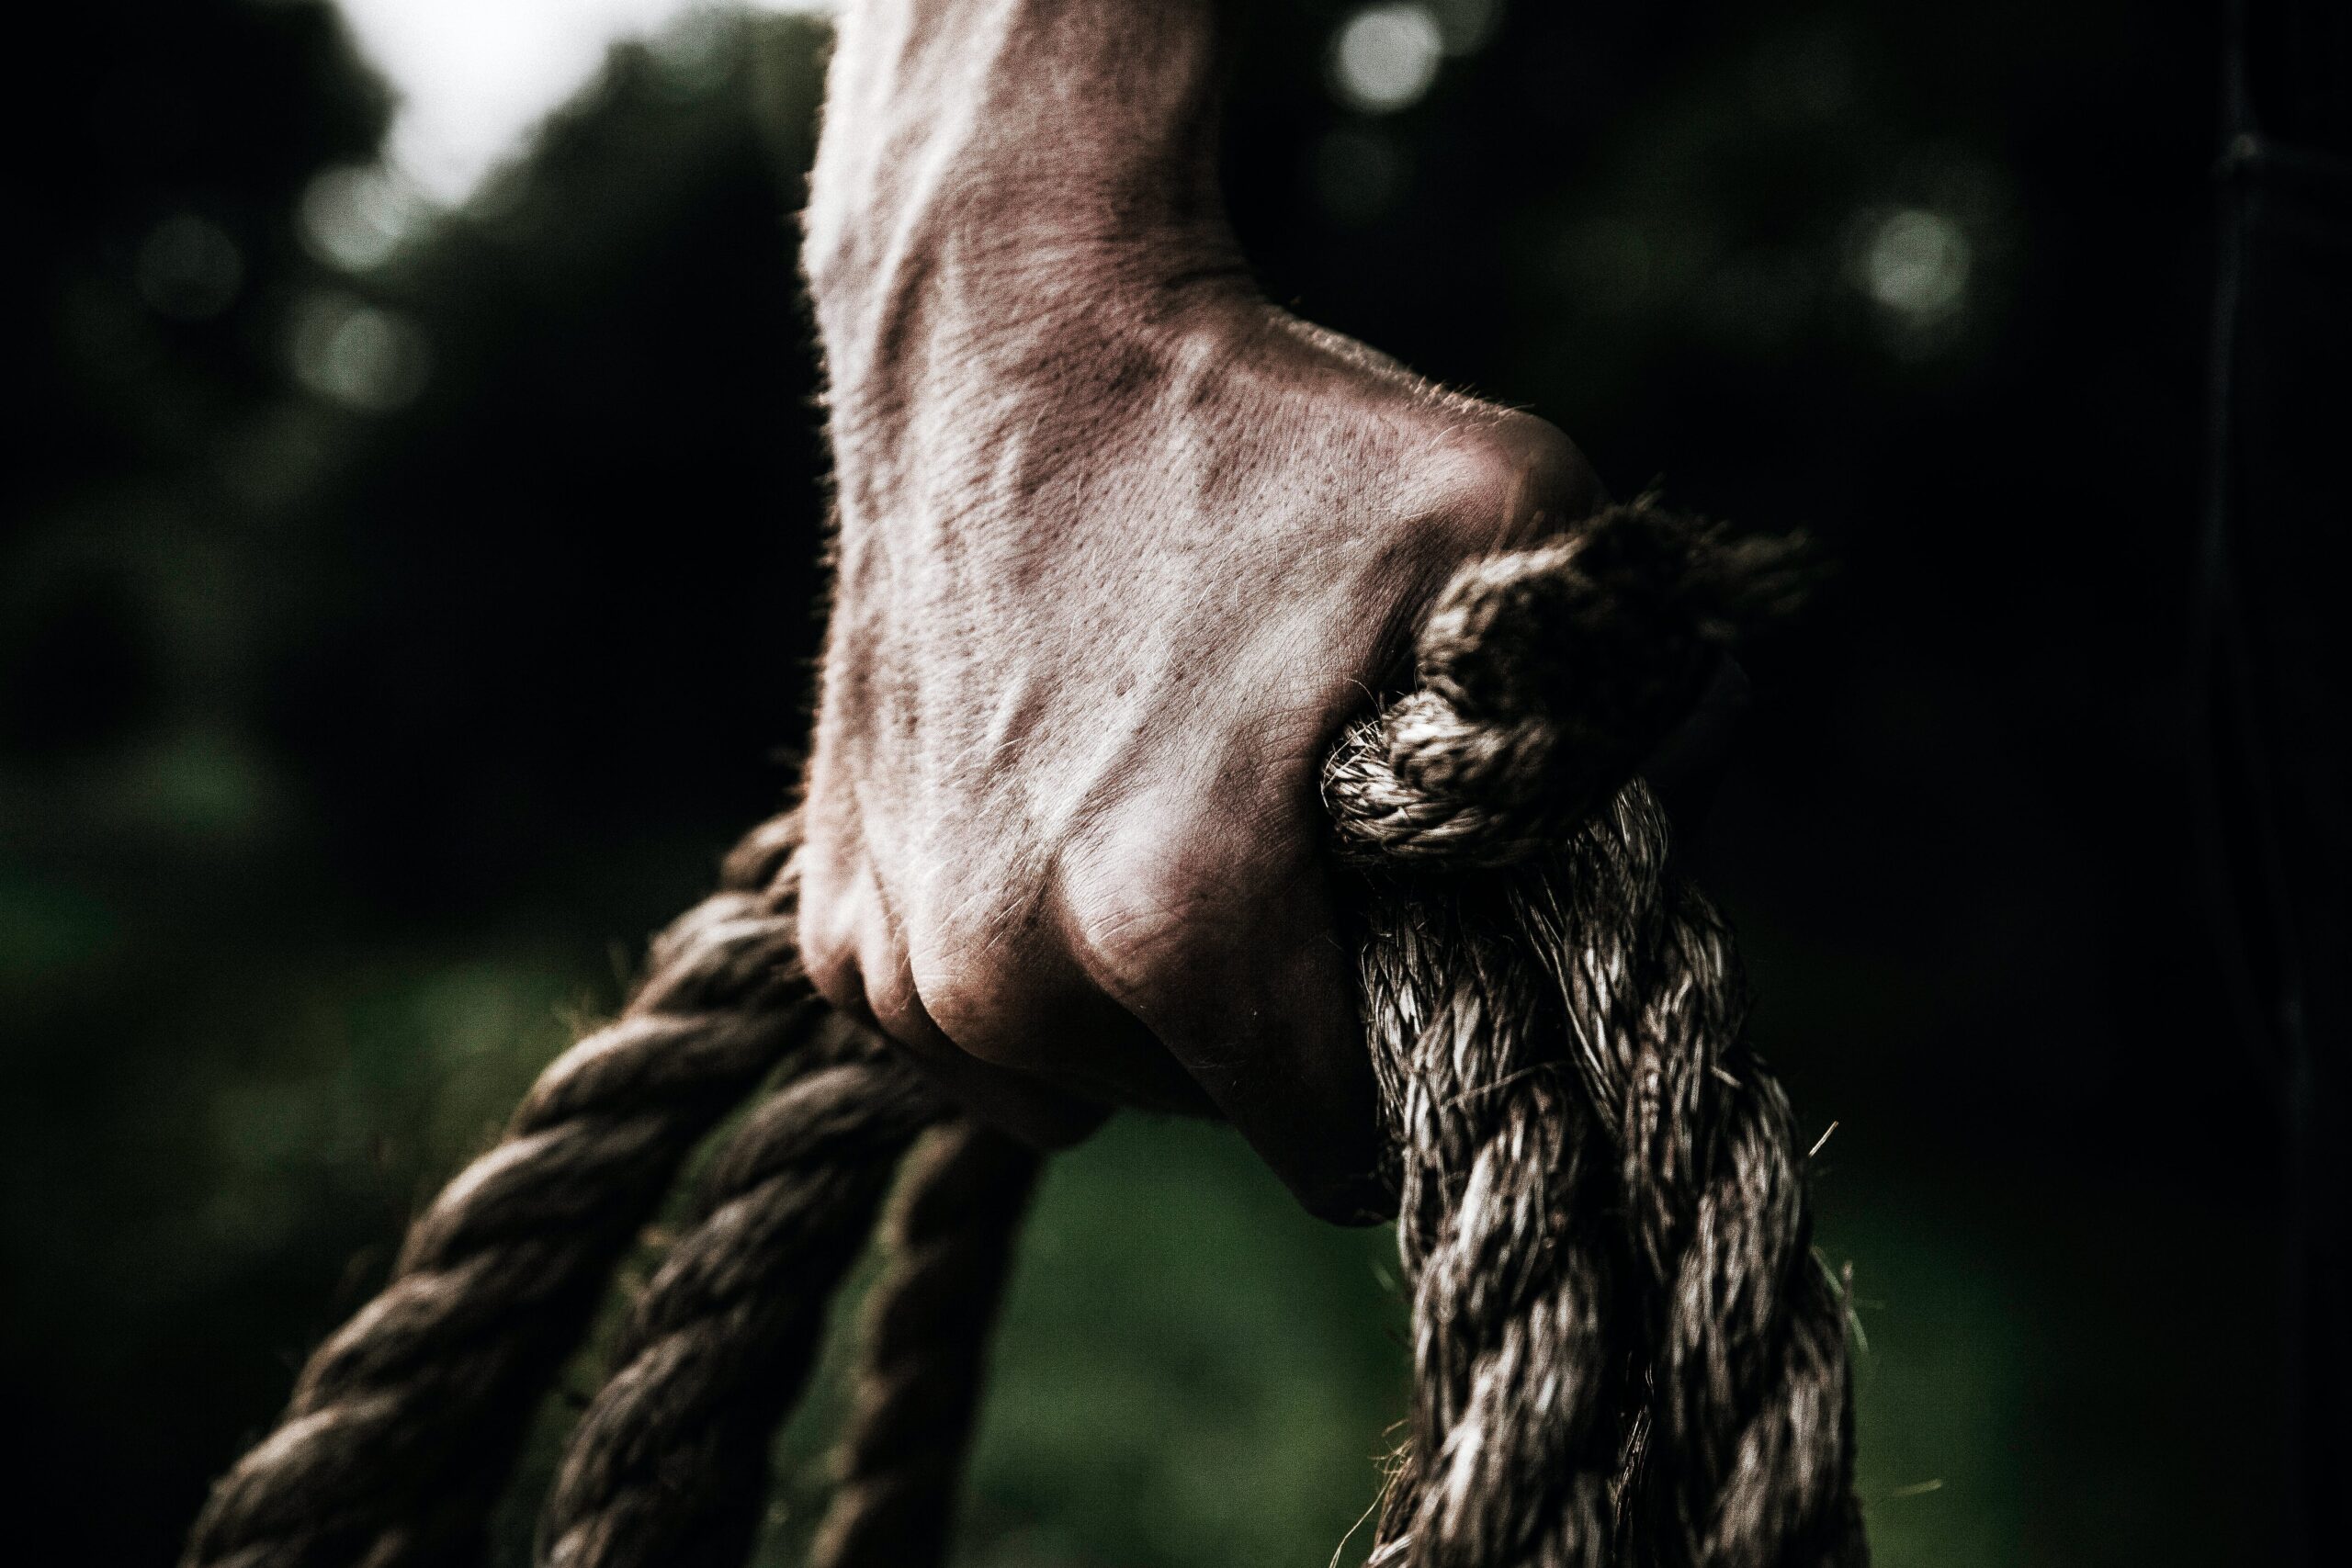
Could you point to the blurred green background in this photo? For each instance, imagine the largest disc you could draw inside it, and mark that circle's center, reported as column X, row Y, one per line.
column 404, row 599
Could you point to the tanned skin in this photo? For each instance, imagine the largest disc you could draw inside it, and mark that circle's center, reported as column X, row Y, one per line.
column 1121, row 547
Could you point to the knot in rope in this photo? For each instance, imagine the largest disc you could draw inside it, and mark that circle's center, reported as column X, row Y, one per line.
column 1625, row 1353
column 1543, row 677
column 1625, row 1350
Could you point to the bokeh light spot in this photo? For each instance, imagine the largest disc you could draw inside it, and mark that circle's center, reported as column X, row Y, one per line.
column 358, row 354
column 355, row 218
column 1385, row 57
column 188, row 268
column 697, row 54
column 1913, row 263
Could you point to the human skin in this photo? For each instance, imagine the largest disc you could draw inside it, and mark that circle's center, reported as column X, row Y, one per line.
column 1121, row 547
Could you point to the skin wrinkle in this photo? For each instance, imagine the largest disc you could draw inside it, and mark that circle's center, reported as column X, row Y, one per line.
column 1121, row 548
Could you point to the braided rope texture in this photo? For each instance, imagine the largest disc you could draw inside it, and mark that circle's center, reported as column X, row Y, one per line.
column 669, row 1465
column 1625, row 1350
column 924, row 1350
column 404, row 1425
column 1545, row 677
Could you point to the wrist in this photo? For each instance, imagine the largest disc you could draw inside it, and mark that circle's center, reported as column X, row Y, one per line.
column 1014, row 155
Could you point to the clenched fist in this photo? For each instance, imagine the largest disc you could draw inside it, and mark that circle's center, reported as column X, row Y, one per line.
column 1120, row 549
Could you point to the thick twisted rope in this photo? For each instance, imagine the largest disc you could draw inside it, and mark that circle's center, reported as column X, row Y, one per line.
column 1744, row 1447
column 924, row 1350
column 1623, row 1350
column 1545, row 678
column 404, row 1425
column 669, row 1465
column 1515, row 1435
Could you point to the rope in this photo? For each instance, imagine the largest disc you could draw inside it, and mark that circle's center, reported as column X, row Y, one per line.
column 669, row 1465
column 1595, row 1173
column 1742, row 1455
column 924, row 1348
column 1514, row 1429
column 1623, row 1351
column 403, row 1425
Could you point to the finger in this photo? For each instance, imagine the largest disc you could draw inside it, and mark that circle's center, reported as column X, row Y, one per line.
column 859, row 964
column 1279, row 1047
column 1027, row 1010
column 1263, row 1017
column 1042, row 1115
column 1046, row 1118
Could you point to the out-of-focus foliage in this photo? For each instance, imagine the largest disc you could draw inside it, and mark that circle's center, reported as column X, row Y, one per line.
column 398, row 614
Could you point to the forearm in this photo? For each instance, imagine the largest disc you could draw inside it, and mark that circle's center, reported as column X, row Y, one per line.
column 1012, row 153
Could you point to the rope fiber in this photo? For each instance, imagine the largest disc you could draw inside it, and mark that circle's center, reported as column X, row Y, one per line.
column 1625, row 1350
column 1594, row 1170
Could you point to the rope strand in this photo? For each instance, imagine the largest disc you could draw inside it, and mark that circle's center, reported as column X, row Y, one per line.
column 1748, row 1427
column 403, row 1427
column 669, row 1465
column 924, row 1350
column 1594, row 1170
column 1625, row 1353
column 1513, row 1430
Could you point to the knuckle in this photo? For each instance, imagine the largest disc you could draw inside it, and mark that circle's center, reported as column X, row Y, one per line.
column 1146, row 922
column 1510, row 478
column 830, row 944
column 967, row 986
column 834, row 976
column 890, row 994
column 986, row 1033
column 967, row 1006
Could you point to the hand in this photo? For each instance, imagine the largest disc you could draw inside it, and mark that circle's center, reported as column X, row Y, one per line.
column 1120, row 549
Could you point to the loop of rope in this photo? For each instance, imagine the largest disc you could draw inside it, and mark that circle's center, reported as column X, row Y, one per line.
column 923, row 1349
column 1623, row 1351
column 1543, row 679
column 670, row 1463
column 404, row 1425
